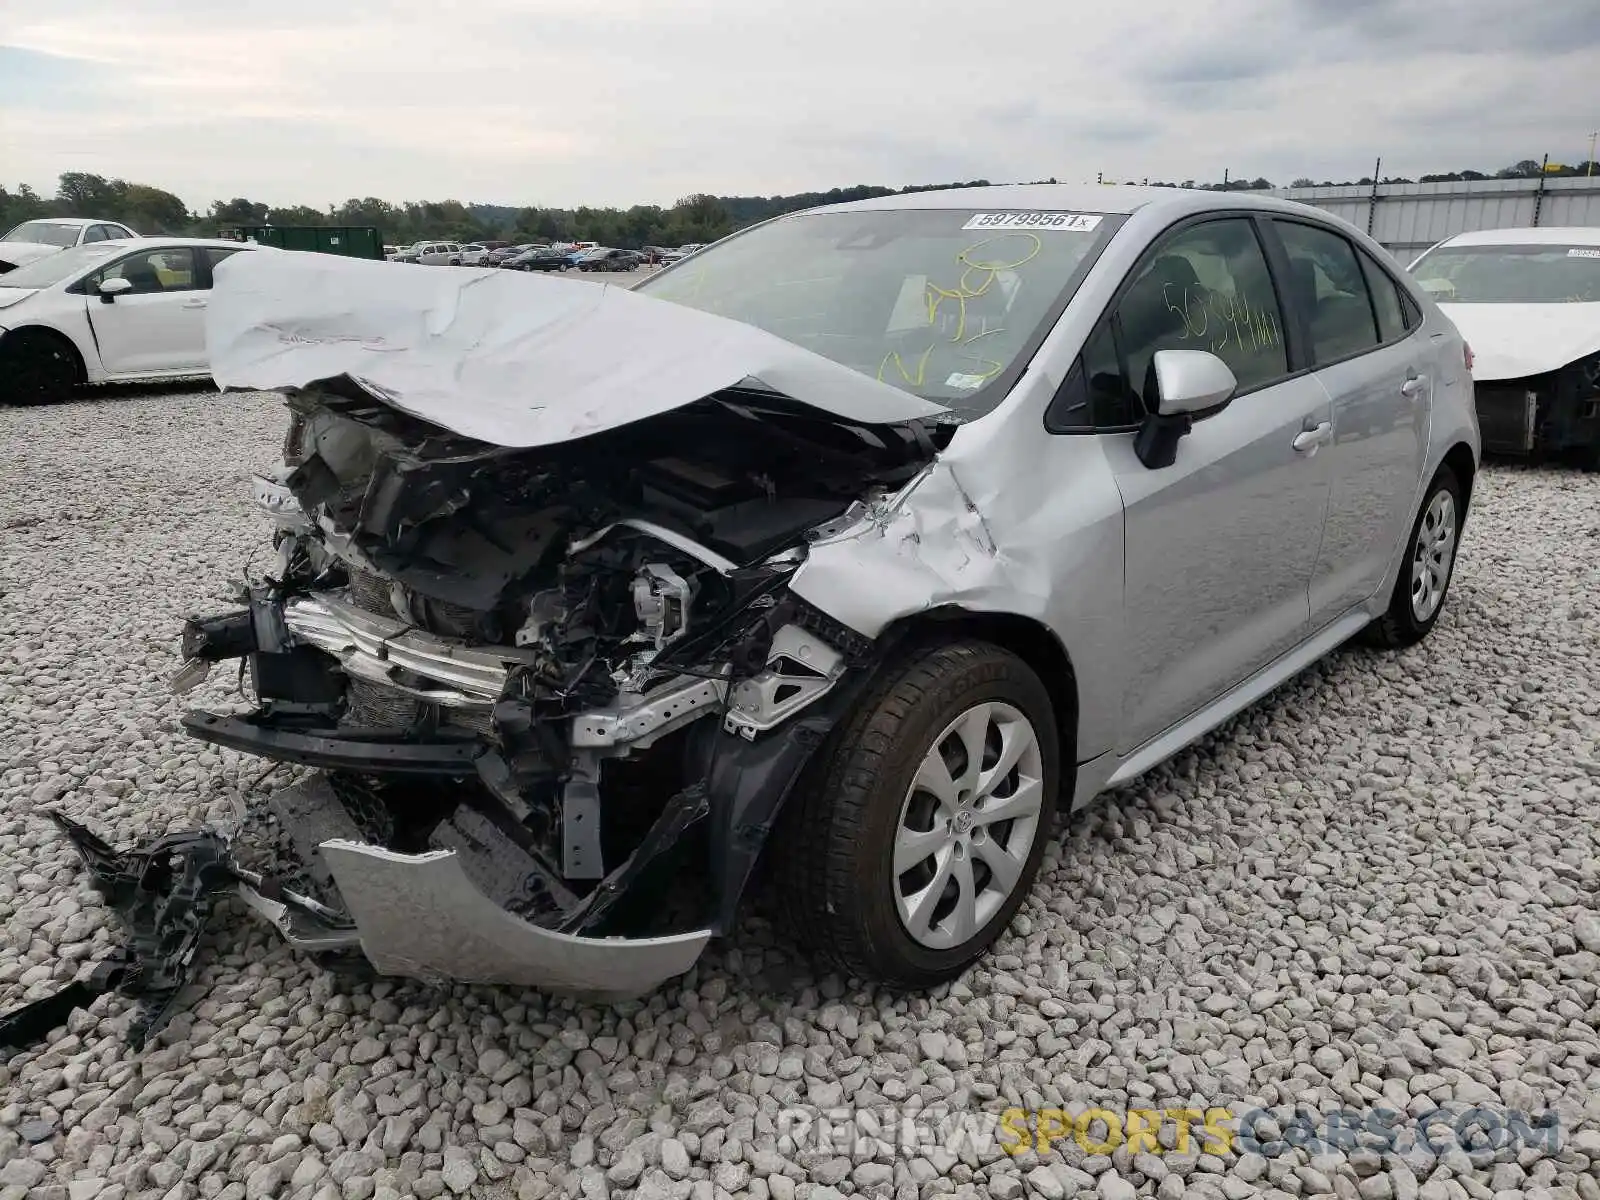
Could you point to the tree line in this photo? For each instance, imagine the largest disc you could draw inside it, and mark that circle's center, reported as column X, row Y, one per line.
column 697, row 218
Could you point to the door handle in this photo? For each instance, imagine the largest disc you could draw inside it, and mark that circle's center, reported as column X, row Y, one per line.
column 1307, row 440
column 1412, row 387
column 194, row 303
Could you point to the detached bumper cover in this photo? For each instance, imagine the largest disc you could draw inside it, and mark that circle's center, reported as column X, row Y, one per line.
column 420, row 916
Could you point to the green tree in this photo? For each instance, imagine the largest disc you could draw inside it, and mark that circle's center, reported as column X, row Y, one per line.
column 24, row 204
column 152, row 210
column 298, row 214
column 238, row 211
column 86, row 195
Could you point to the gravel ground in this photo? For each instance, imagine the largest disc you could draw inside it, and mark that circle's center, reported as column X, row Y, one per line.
column 1376, row 889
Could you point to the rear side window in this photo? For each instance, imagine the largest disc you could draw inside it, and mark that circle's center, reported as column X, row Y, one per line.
column 1393, row 313
column 210, row 256
column 1330, row 290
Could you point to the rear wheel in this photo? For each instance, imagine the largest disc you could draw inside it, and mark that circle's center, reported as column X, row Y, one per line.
column 917, row 833
column 36, row 367
column 1425, row 574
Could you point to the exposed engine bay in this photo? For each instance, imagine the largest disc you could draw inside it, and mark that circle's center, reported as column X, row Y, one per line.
column 571, row 676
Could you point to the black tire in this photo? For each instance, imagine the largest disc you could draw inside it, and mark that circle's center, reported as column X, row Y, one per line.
column 833, row 856
column 37, row 367
column 1401, row 625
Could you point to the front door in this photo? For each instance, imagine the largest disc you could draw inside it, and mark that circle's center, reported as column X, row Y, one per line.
column 159, row 325
column 1220, row 545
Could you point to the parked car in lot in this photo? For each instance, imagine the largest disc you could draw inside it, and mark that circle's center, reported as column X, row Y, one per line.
column 476, row 254
column 105, row 311
column 1528, row 302
column 432, row 254
column 33, row 240
column 608, row 260
column 938, row 509
column 539, row 258
column 499, row 256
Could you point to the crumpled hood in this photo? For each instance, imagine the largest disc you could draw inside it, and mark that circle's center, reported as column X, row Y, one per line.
column 1513, row 341
column 20, row 254
column 510, row 358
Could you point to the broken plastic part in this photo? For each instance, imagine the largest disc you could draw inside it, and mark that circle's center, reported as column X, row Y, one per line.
column 165, row 891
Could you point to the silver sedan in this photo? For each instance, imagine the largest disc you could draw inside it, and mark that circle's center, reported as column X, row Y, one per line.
column 855, row 541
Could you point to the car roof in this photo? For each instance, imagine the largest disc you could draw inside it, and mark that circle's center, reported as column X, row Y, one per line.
column 1574, row 235
column 79, row 222
column 1113, row 199
column 176, row 242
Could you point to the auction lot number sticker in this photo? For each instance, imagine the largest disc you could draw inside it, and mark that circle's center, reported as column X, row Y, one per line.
column 1063, row 222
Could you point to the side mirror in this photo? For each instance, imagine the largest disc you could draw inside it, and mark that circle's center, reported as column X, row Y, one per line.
column 110, row 289
column 1188, row 385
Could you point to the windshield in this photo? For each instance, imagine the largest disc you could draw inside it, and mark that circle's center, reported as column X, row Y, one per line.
column 56, row 267
column 1511, row 274
column 48, row 233
column 938, row 302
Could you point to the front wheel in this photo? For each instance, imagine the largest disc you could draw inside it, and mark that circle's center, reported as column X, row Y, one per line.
column 36, row 368
column 1425, row 573
column 915, row 836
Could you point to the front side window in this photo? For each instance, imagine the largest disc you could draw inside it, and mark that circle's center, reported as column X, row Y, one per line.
column 1330, row 291
column 1205, row 287
column 153, row 271
column 1554, row 274
column 937, row 302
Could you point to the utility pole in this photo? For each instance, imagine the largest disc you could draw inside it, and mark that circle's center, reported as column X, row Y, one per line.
column 1372, row 199
column 1588, row 170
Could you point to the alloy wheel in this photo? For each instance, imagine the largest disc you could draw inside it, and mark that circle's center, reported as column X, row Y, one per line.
column 967, row 824
column 1432, row 555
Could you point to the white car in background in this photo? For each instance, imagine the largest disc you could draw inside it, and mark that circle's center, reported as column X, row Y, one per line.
column 33, row 240
column 107, row 311
column 1528, row 303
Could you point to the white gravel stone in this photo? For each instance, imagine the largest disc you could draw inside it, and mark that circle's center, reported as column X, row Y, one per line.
column 1375, row 887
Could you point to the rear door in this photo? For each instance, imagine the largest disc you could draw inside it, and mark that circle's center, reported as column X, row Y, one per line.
column 1364, row 337
column 159, row 325
column 1220, row 545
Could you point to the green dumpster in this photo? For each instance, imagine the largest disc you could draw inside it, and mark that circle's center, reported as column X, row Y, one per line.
column 351, row 241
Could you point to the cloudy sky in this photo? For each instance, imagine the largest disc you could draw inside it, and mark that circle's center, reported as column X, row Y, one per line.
column 567, row 102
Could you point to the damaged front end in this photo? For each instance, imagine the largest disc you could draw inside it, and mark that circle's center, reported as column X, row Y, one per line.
column 1555, row 413
column 558, row 695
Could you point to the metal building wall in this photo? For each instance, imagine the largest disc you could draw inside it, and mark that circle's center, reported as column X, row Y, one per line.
column 1409, row 217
